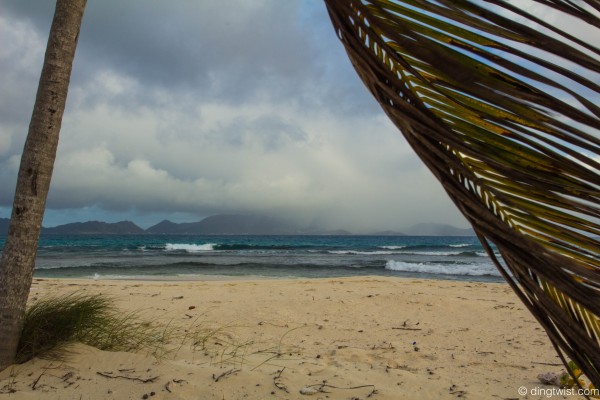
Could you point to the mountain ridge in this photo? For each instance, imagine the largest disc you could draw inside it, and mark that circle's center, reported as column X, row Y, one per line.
column 225, row 224
column 231, row 224
column 95, row 227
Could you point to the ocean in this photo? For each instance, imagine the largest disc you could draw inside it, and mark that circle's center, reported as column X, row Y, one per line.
column 209, row 257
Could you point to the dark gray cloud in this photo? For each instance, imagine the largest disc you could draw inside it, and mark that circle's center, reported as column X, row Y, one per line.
column 190, row 108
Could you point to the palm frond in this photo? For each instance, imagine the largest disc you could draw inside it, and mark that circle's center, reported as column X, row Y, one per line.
column 501, row 106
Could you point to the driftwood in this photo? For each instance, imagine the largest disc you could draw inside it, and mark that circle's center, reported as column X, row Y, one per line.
column 319, row 388
column 278, row 384
column 132, row 378
column 224, row 374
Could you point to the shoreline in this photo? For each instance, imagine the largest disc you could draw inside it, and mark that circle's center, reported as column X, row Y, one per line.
column 217, row 278
column 397, row 337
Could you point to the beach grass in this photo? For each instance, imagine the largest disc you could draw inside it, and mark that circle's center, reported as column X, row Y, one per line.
column 53, row 323
column 218, row 345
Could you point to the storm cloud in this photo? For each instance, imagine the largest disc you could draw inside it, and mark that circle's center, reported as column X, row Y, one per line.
column 186, row 109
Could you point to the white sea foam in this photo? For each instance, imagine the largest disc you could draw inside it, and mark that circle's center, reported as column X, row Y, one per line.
column 98, row 276
column 393, row 247
column 361, row 252
column 399, row 251
column 443, row 269
column 460, row 245
column 431, row 253
column 190, row 248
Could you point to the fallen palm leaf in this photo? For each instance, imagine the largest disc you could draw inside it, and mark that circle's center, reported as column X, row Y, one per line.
column 501, row 107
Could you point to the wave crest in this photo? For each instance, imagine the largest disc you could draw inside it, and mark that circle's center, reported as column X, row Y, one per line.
column 190, row 248
column 442, row 269
column 357, row 252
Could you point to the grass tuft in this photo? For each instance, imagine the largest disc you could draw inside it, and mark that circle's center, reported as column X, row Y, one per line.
column 54, row 322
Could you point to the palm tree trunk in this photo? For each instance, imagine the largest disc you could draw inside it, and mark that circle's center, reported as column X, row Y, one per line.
column 37, row 161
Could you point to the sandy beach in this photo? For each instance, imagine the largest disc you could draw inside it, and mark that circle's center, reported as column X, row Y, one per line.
column 351, row 338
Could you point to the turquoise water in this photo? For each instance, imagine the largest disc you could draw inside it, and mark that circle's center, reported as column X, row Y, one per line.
column 190, row 257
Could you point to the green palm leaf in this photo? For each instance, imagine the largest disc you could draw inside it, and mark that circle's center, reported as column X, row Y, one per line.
column 481, row 92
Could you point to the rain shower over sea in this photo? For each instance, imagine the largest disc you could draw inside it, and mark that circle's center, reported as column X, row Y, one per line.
column 205, row 257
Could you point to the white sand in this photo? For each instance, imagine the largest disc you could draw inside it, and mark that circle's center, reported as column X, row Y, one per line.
column 378, row 338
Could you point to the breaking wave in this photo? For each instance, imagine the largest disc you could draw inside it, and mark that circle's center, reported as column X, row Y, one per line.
column 443, row 269
column 189, row 248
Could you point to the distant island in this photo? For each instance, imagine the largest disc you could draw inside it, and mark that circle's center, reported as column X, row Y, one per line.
column 229, row 224
column 438, row 230
column 225, row 224
column 95, row 228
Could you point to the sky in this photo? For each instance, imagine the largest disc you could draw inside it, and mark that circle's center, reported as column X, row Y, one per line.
column 181, row 110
